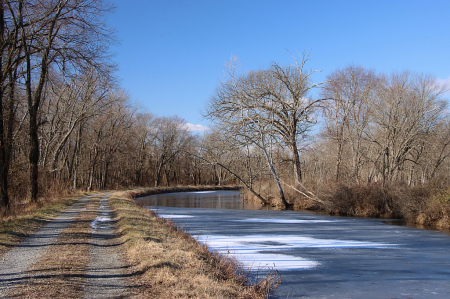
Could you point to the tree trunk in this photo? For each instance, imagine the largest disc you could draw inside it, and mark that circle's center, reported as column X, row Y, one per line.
column 274, row 174
column 158, row 174
column 105, row 175
column 167, row 175
column 4, row 197
column 7, row 109
column 216, row 177
column 34, row 155
column 298, row 177
column 91, row 178
column 338, row 161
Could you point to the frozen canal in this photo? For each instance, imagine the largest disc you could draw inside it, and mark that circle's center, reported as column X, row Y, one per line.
column 317, row 256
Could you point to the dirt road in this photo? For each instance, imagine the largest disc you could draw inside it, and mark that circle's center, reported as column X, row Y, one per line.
column 74, row 256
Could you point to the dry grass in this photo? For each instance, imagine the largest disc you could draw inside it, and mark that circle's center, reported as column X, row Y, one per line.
column 424, row 205
column 167, row 263
column 59, row 273
column 23, row 205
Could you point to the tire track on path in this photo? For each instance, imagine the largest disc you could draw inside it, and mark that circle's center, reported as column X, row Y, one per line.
column 14, row 264
column 105, row 271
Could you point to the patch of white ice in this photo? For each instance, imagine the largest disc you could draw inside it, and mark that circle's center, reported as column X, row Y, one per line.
column 253, row 250
column 201, row 192
column 259, row 260
column 285, row 221
column 171, row 216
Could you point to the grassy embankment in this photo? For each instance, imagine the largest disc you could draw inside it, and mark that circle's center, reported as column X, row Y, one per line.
column 168, row 263
column 427, row 205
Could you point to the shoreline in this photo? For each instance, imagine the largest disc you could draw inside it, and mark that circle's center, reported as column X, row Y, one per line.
column 160, row 260
column 169, row 261
column 421, row 220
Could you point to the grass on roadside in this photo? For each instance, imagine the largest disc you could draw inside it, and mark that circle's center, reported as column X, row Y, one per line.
column 168, row 263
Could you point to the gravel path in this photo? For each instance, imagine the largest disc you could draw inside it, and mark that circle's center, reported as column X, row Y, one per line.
column 13, row 264
column 104, row 274
column 105, row 270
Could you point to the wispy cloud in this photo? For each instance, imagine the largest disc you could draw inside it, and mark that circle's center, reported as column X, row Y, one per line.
column 192, row 127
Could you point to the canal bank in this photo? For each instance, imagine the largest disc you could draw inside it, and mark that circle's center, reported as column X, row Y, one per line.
column 321, row 256
column 165, row 262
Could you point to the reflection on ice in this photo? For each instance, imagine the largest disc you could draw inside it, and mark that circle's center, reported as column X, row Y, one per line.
column 259, row 251
column 259, row 260
column 202, row 192
column 284, row 221
column 172, row 216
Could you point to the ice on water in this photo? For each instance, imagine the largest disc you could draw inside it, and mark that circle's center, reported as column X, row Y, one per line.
column 259, row 251
column 286, row 221
column 174, row 216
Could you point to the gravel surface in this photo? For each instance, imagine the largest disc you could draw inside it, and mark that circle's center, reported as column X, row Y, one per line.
column 104, row 274
column 13, row 264
column 105, row 270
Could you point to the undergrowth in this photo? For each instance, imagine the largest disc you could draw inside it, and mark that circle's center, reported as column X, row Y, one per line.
column 427, row 205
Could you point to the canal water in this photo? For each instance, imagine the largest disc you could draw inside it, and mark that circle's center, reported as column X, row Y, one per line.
column 317, row 256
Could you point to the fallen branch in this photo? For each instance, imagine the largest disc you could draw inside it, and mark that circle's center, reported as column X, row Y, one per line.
column 312, row 196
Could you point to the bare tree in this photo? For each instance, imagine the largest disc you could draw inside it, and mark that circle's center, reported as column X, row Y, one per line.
column 67, row 33
column 144, row 140
column 347, row 115
column 10, row 59
column 170, row 139
column 265, row 108
column 406, row 109
column 439, row 147
column 69, row 104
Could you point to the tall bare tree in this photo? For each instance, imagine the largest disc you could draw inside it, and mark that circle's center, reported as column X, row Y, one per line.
column 10, row 59
column 348, row 113
column 69, row 34
column 70, row 103
column 171, row 138
column 406, row 109
column 267, row 106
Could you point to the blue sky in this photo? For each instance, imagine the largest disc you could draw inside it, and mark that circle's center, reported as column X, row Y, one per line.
column 172, row 52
